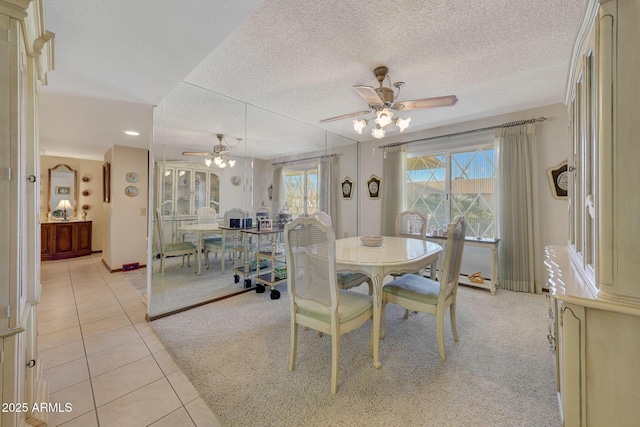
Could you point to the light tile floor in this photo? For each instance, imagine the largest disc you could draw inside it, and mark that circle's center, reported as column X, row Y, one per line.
column 100, row 355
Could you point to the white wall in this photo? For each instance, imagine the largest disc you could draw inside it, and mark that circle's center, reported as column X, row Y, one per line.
column 127, row 229
column 551, row 215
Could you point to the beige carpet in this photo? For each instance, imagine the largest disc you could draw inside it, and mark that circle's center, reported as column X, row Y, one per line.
column 500, row 373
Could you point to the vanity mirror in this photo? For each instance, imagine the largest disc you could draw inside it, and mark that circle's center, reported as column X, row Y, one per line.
column 63, row 185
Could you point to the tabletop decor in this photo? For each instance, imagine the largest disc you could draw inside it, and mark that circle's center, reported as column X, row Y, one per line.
column 372, row 241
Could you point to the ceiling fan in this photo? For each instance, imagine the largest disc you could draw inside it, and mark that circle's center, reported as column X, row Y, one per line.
column 383, row 99
column 218, row 149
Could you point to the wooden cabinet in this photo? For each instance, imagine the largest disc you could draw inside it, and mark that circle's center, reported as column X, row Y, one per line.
column 595, row 291
column 65, row 239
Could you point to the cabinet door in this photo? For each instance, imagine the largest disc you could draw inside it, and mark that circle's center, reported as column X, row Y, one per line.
column 183, row 192
column 46, row 240
column 199, row 190
column 571, row 364
column 214, row 191
column 166, row 191
column 84, row 236
column 64, row 238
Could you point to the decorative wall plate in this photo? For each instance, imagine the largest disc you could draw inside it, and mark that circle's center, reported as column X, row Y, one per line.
column 236, row 180
column 131, row 191
column 132, row 177
column 347, row 188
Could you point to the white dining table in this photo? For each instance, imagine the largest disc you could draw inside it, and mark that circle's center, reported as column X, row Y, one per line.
column 396, row 255
column 199, row 230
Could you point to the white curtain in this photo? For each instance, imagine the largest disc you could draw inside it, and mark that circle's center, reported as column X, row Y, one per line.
column 394, row 167
column 516, row 166
column 279, row 192
column 327, row 185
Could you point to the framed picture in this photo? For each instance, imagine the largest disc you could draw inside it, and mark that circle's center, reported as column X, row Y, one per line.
column 347, row 188
column 559, row 180
column 373, row 187
column 63, row 190
column 106, row 182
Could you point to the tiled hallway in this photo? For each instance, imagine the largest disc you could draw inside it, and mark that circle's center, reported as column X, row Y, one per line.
column 100, row 355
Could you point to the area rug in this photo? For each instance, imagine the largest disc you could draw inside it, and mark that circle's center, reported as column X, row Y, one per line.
column 500, row 373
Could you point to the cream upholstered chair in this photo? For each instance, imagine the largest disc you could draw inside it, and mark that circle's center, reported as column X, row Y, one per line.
column 346, row 280
column 414, row 292
column 206, row 215
column 315, row 299
column 172, row 249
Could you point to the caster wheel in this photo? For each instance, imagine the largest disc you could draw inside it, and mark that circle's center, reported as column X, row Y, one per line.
column 259, row 289
column 236, row 278
column 275, row 294
column 247, row 283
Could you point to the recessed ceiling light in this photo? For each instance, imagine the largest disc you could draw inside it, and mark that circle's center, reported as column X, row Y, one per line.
column 132, row 132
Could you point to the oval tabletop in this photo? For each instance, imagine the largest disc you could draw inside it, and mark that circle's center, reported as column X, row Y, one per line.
column 394, row 251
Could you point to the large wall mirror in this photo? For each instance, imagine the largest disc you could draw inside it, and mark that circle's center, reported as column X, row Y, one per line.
column 180, row 182
column 63, row 192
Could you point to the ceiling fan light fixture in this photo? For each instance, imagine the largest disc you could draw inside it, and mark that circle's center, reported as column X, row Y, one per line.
column 402, row 123
column 383, row 117
column 232, row 162
column 358, row 125
column 377, row 132
column 208, row 162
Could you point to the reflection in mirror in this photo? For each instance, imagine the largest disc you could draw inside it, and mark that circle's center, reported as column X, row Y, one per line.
column 63, row 185
column 182, row 184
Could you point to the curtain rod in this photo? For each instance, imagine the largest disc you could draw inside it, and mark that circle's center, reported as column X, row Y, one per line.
column 302, row 160
column 504, row 125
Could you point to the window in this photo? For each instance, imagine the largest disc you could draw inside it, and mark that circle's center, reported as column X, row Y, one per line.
column 302, row 191
column 450, row 183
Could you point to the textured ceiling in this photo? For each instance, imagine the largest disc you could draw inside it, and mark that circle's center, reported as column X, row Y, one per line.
column 294, row 63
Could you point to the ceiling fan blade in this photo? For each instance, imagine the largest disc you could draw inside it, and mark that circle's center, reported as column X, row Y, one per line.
column 416, row 104
column 345, row 116
column 196, row 153
column 369, row 94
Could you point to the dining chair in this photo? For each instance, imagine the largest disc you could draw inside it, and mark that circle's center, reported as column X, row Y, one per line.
column 411, row 224
column 219, row 246
column 315, row 300
column 207, row 215
column 172, row 249
column 418, row 293
column 346, row 280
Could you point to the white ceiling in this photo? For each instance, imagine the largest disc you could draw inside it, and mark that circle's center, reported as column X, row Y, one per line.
column 294, row 63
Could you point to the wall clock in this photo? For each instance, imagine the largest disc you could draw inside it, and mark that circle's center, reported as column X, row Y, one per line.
column 559, row 180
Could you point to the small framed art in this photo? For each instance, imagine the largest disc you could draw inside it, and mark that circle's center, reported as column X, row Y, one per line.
column 373, row 187
column 347, row 188
column 559, row 180
column 106, row 182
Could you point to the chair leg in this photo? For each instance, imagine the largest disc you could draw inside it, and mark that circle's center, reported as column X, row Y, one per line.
column 222, row 261
column 294, row 344
column 370, row 283
column 454, row 326
column 440, row 330
column 162, row 264
column 383, row 322
column 206, row 259
column 335, row 359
